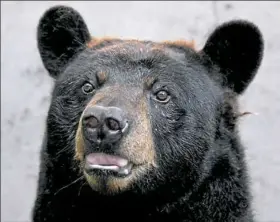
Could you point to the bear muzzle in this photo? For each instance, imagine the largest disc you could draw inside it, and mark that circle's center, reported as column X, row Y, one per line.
column 104, row 125
column 114, row 142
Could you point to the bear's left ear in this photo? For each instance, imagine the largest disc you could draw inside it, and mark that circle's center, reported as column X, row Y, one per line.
column 61, row 34
column 236, row 47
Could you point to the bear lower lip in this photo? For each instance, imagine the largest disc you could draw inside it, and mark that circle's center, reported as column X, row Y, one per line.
column 120, row 170
column 107, row 164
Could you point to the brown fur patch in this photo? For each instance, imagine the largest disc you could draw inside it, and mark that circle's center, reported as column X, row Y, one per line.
column 96, row 98
column 141, row 150
column 137, row 146
column 97, row 41
column 101, row 77
column 182, row 43
column 79, row 152
column 149, row 81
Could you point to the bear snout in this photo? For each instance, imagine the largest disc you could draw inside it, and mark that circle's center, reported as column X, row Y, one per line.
column 104, row 125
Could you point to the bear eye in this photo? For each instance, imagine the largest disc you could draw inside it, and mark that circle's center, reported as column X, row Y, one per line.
column 88, row 88
column 162, row 96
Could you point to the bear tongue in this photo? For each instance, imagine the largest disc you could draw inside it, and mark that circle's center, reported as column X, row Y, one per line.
column 106, row 160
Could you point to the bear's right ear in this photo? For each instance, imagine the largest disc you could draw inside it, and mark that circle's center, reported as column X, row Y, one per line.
column 61, row 34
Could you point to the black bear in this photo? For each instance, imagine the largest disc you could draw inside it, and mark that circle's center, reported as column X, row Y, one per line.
column 144, row 130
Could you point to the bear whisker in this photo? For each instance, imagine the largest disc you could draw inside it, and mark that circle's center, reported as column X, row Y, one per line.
column 81, row 188
column 75, row 181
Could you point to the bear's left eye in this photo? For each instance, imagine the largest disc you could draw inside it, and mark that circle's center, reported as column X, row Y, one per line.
column 162, row 96
column 88, row 88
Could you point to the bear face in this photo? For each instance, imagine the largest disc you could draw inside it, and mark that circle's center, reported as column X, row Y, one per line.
column 143, row 116
column 138, row 78
column 168, row 96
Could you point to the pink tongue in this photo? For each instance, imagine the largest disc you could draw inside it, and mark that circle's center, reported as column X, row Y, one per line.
column 105, row 159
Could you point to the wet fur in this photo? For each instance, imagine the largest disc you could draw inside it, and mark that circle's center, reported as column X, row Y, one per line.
column 201, row 174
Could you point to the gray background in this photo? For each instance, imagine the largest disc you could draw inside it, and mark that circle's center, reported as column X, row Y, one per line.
column 25, row 86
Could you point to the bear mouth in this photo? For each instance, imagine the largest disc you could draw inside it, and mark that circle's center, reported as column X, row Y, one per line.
column 105, row 164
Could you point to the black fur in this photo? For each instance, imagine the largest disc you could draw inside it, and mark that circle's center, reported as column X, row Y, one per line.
column 236, row 47
column 202, row 175
column 62, row 33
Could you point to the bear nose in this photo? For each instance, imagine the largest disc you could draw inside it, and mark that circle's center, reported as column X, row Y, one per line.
column 104, row 124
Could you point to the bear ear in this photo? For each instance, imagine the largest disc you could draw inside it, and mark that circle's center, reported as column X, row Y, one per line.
column 236, row 47
column 61, row 34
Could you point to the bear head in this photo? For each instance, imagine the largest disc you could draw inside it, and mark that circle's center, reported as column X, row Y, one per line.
column 136, row 115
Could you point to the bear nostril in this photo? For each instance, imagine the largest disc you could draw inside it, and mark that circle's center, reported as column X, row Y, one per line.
column 113, row 124
column 91, row 122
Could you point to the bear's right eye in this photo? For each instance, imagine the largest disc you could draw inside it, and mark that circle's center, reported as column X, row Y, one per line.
column 88, row 88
